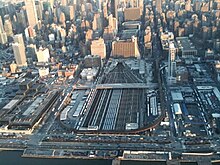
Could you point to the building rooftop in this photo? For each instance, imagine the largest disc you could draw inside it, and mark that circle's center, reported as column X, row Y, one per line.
column 185, row 44
column 33, row 106
column 25, row 82
column 132, row 22
column 131, row 25
column 127, row 34
column 177, row 96
column 11, row 104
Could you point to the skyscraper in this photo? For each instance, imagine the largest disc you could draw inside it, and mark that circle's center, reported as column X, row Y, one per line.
column 63, row 2
column 171, row 60
column 114, row 8
column 89, row 35
column 19, row 50
column 39, row 10
column 1, row 25
column 51, row 3
column 19, row 54
column 126, row 48
column 3, row 35
column 43, row 55
column 21, row 18
column 113, row 23
column 71, row 12
column 133, row 3
column 98, row 48
column 31, row 12
column 188, row 5
column 8, row 28
column 13, row 67
column 19, row 39
column 105, row 9
column 62, row 19
column 97, row 22
column 158, row 6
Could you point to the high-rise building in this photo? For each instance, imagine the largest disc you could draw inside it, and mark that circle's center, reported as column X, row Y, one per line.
column 71, row 12
column 159, row 6
column 177, row 6
column 125, row 48
column 147, row 36
column 113, row 23
column 188, row 5
column 13, row 67
column 133, row 3
column 51, row 3
column 21, row 18
column 63, row 2
column 98, row 48
column 31, row 12
column 1, row 25
column 31, row 51
column 109, row 34
column 8, row 28
column 97, row 22
column 132, row 14
column 147, row 41
column 19, row 39
column 39, row 9
column 206, row 33
column 89, row 35
column 19, row 50
column 89, row 7
column 43, row 55
column 197, row 5
column 99, row 4
column 186, row 49
column 105, row 9
column 3, row 38
column 211, row 5
column 114, row 8
column 47, row 17
column 3, row 35
column 214, row 32
column 91, row 61
column 62, row 34
column 62, row 18
column 43, row 72
column 171, row 60
column 204, row 7
column 19, row 54
column 29, row 33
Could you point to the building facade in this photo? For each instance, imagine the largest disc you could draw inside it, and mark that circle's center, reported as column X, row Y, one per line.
column 31, row 12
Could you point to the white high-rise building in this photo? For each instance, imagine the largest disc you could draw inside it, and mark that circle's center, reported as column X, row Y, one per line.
column 43, row 55
column 171, row 60
column 31, row 12
column 19, row 54
column 3, row 38
column 51, row 3
column 19, row 50
column 19, row 39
